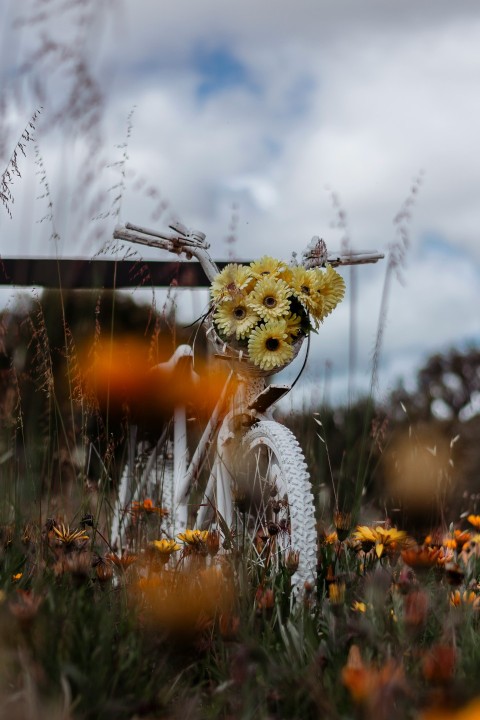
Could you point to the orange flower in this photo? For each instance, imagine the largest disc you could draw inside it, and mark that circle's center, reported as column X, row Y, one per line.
column 120, row 374
column 343, row 523
column 467, row 712
column 366, row 682
column 24, row 607
column 228, row 625
column 474, row 520
column 123, row 561
column 181, row 603
column 328, row 538
column 438, row 665
column 461, row 537
column 265, row 598
column 421, row 557
column 147, row 507
column 336, row 593
column 468, row 597
column 416, row 609
column 449, row 542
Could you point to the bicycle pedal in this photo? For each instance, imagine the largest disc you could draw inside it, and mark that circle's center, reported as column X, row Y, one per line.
column 267, row 397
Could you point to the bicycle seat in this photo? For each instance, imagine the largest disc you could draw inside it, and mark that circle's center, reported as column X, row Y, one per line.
column 180, row 364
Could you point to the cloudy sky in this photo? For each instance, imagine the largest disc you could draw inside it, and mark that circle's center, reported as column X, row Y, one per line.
column 270, row 121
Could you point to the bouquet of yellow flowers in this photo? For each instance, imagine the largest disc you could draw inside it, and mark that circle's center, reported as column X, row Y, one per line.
column 268, row 306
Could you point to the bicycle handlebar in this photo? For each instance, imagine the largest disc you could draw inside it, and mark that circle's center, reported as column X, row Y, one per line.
column 192, row 243
column 316, row 255
column 189, row 242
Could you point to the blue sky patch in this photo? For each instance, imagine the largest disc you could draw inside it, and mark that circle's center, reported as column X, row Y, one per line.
column 220, row 70
column 434, row 243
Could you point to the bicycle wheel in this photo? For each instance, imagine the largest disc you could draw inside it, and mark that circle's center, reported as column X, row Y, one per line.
column 273, row 503
column 143, row 507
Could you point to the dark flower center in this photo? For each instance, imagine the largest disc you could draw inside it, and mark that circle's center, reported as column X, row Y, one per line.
column 272, row 344
column 239, row 312
column 270, row 301
column 305, row 290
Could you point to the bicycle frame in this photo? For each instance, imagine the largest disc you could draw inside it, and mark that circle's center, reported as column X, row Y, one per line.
column 242, row 399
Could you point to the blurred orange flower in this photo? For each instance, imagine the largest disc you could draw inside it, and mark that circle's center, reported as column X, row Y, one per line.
column 179, row 603
column 438, row 664
column 366, row 682
column 474, row 520
column 420, row 557
column 467, row 598
column 120, row 374
column 147, row 507
column 468, row 712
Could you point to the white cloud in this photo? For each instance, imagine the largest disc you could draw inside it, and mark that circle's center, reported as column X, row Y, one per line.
column 352, row 97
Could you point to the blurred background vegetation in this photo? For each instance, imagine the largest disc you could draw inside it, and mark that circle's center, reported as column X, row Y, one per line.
column 347, row 447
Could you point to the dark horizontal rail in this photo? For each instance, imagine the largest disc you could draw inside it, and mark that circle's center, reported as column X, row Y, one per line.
column 85, row 274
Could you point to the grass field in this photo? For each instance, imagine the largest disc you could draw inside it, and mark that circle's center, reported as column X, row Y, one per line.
column 188, row 626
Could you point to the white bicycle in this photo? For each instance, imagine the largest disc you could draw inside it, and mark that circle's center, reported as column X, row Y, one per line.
column 256, row 491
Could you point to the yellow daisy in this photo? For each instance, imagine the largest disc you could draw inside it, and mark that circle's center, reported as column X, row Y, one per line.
column 305, row 285
column 269, row 346
column 293, row 323
column 331, row 288
column 269, row 298
column 234, row 317
column 267, row 266
column 380, row 538
column 287, row 274
column 230, row 281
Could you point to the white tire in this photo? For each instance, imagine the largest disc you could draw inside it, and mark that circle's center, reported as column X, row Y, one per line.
column 273, row 498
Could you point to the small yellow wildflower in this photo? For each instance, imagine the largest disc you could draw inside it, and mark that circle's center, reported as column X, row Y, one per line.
column 336, row 593
column 17, row 577
column 359, row 607
column 67, row 537
column 380, row 538
column 329, row 538
column 194, row 538
column 164, row 549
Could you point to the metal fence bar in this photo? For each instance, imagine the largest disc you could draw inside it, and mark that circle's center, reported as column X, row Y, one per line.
column 89, row 274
